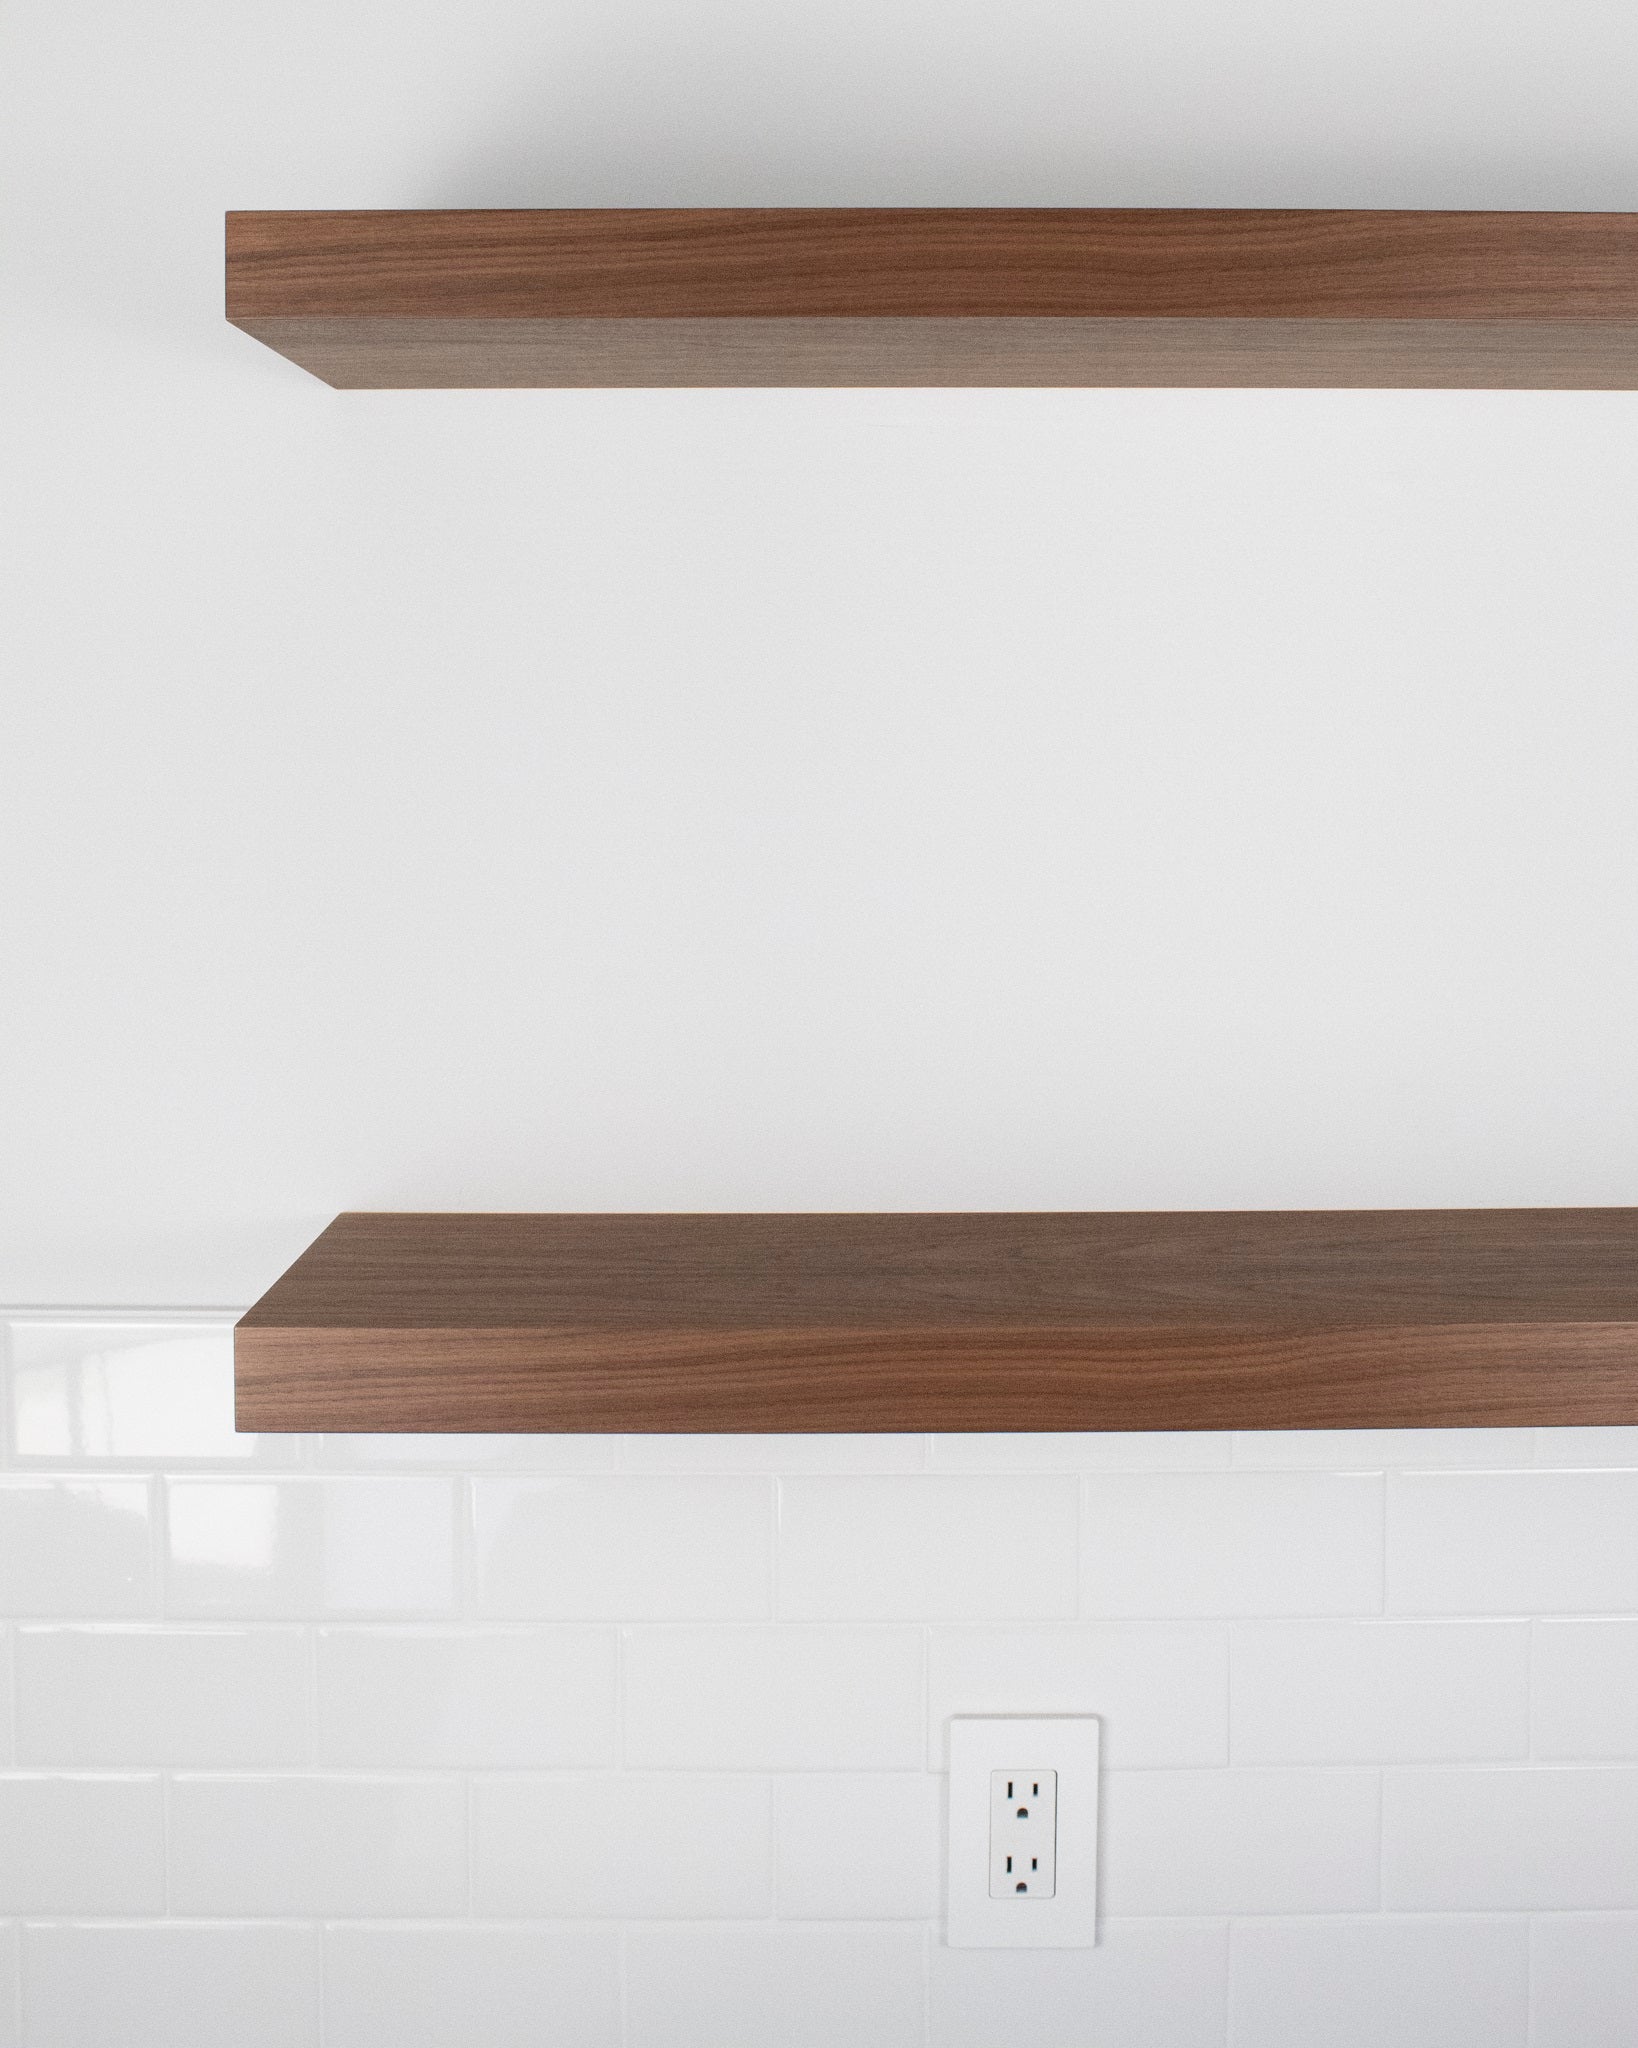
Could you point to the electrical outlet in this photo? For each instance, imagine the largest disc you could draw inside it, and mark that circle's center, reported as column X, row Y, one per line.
column 1023, row 1836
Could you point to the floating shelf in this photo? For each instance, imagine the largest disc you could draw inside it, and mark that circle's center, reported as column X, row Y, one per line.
column 1310, row 1319
column 951, row 296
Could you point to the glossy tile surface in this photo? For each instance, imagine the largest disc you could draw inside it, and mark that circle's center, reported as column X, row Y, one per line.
column 73, row 1547
column 639, row 1743
column 818, row 1698
column 501, row 1987
column 170, row 1695
column 648, row 1549
column 295, row 1549
column 484, row 1698
column 171, row 1987
column 244, row 1847
column 92, row 1845
column 935, row 1548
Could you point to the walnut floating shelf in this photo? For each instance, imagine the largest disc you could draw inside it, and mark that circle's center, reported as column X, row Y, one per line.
column 955, row 296
column 1310, row 1319
column 952, row 296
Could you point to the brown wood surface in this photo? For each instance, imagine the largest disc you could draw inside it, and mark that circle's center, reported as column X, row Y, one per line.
column 1267, row 1320
column 943, row 296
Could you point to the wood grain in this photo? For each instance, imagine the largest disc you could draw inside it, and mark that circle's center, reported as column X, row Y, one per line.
column 946, row 296
column 1267, row 1320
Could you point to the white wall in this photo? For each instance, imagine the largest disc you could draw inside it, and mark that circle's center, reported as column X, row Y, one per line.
column 788, row 799
column 640, row 1741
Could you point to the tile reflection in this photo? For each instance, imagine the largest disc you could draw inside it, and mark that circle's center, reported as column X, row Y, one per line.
column 105, row 1390
column 291, row 1548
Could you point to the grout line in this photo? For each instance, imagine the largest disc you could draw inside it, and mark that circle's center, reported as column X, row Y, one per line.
column 1533, row 1626
column 1381, row 1838
column 926, row 1745
column 1080, row 1547
column 1532, row 2032
column 1229, row 1925
column 1386, row 1484
column 310, row 1636
column 465, row 1508
column 9, row 1646
column 166, row 1885
column 775, row 1840
column 621, row 1761
column 469, row 1814
column 71, row 1312
column 776, row 1502
column 6, row 1459
column 1228, row 1695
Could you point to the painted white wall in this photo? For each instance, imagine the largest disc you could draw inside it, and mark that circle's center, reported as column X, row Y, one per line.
column 783, row 799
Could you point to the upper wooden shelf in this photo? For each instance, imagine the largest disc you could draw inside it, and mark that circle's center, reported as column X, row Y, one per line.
column 1311, row 1319
column 952, row 296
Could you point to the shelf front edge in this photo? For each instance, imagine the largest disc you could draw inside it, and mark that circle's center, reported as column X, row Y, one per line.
column 440, row 352
column 528, row 1380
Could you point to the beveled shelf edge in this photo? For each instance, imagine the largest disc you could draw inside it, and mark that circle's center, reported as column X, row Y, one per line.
column 1440, row 1360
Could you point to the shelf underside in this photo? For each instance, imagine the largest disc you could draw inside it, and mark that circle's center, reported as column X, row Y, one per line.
column 1167, row 1321
column 948, row 296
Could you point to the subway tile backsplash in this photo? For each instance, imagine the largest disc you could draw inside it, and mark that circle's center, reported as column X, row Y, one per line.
column 342, row 1742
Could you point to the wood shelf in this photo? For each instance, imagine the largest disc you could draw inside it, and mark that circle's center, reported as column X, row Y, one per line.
column 1308, row 1319
column 942, row 296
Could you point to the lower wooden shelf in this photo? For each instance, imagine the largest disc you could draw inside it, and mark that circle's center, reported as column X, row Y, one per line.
column 737, row 296
column 1312, row 1319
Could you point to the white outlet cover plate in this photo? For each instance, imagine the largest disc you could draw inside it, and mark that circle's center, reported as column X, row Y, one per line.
column 980, row 1744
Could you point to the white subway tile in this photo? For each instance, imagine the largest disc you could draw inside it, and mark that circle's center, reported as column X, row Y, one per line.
column 1584, row 1697
column 939, row 1549
column 81, row 1845
column 459, row 1987
column 774, row 1698
column 1232, row 1543
column 73, row 1547
column 172, row 1987
column 139, row 1392
column 229, row 1696
column 290, row 1549
column 474, row 1453
column 645, row 1847
column 1512, row 1542
column 1209, row 1842
column 1367, row 1450
column 775, row 1454
column 512, row 1699
column 1611, row 1448
column 8, row 1696
column 1160, row 1687
column 1342, row 1692
column 1371, row 1983
column 1510, row 1841
column 650, row 1549
column 11, row 1989
column 1085, row 1450
column 752, row 1987
column 351, row 1847
column 859, row 1848
column 1147, row 1984
column 1584, row 1981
